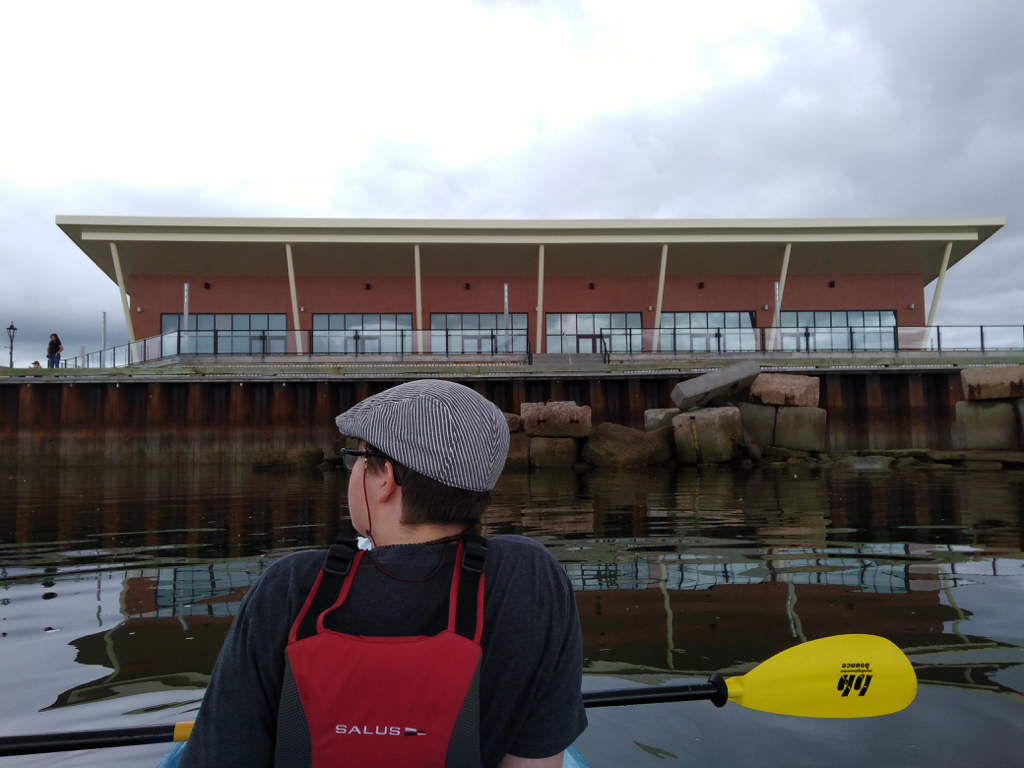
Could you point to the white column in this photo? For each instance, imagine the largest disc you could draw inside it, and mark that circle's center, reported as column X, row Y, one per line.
column 124, row 296
column 419, row 288
column 295, row 299
column 661, row 295
column 185, row 321
column 540, row 300
column 777, row 314
column 938, row 288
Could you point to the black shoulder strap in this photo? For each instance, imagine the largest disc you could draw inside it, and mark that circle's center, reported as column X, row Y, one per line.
column 332, row 576
column 474, row 556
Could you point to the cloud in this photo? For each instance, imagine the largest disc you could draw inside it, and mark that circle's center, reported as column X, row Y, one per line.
column 510, row 110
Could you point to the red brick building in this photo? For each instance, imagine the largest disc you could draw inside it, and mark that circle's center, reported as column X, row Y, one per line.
column 368, row 285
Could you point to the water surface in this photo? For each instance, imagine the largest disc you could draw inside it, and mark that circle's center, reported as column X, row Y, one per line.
column 117, row 587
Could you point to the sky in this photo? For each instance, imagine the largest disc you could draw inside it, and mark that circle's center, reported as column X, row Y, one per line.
column 495, row 109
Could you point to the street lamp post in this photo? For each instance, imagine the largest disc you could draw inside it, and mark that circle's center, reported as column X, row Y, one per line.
column 11, row 330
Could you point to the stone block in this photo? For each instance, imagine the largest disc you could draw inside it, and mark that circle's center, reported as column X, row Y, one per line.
column 664, row 445
column 759, row 421
column 556, row 419
column 993, row 383
column 801, row 429
column 656, row 418
column 552, row 452
column 785, row 389
column 518, row 451
column 614, row 445
column 515, row 422
column 986, row 426
column 699, row 391
column 707, row 435
column 865, row 463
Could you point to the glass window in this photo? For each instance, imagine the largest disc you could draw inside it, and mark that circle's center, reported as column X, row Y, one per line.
column 888, row 318
column 568, row 323
column 470, row 322
column 454, row 322
column 871, row 319
column 633, row 320
column 353, row 322
column 838, row 319
column 716, row 319
column 204, row 322
column 488, row 322
column 371, row 322
column 404, row 322
column 855, row 319
column 168, row 323
column 320, row 322
column 554, row 323
column 437, row 322
column 822, row 319
column 240, row 322
column 257, row 322
column 520, row 321
column 585, row 324
column 805, row 319
column 278, row 322
column 618, row 320
column 698, row 320
column 682, row 320
column 788, row 319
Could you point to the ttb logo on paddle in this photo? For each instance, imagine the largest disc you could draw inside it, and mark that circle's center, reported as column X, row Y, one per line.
column 855, row 677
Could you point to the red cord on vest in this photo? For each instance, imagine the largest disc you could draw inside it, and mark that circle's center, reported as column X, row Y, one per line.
column 369, row 520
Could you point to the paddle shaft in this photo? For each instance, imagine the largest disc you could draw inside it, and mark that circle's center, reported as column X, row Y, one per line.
column 64, row 742
column 714, row 690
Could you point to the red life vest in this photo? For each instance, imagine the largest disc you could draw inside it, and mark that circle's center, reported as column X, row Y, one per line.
column 384, row 702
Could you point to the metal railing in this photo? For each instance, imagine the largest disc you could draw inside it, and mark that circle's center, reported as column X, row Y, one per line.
column 315, row 343
column 492, row 343
column 696, row 341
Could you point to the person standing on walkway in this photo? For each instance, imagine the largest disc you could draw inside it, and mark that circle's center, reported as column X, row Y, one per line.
column 53, row 350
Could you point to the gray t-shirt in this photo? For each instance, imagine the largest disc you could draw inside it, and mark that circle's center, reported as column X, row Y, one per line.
column 531, row 668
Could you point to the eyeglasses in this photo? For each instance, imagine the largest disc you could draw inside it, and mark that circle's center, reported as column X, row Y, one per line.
column 351, row 456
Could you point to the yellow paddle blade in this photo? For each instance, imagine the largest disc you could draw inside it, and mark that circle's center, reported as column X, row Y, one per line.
column 841, row 676
column 183, row 730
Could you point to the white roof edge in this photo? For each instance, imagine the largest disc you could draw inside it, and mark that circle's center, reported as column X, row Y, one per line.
column 525, row 224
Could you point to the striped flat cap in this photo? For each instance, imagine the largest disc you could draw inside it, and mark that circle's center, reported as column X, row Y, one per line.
column 443, row 430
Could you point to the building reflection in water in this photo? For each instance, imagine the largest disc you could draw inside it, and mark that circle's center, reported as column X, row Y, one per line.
column 677, row 574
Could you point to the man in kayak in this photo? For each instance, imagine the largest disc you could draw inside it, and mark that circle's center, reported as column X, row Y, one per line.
column 422, row 644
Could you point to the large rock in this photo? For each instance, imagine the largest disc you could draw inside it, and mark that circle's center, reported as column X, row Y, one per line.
column 699, row 391
column 785, row 389
column 616, row 446
column 759, row 421
column 556, row 419
column 986, row 426
column 801, row 429
column 707, row 435
column 866, row 463
column 552, row 452
column 656, row 418
column 993, row 383
column 518, row 451
column 515, row 422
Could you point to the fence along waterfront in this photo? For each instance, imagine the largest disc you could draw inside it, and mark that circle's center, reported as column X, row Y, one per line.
column 515, row 342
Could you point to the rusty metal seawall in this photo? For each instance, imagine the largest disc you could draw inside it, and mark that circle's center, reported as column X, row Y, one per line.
column 201, row 420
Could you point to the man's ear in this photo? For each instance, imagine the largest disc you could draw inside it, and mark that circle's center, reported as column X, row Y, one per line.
column 388, row 487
